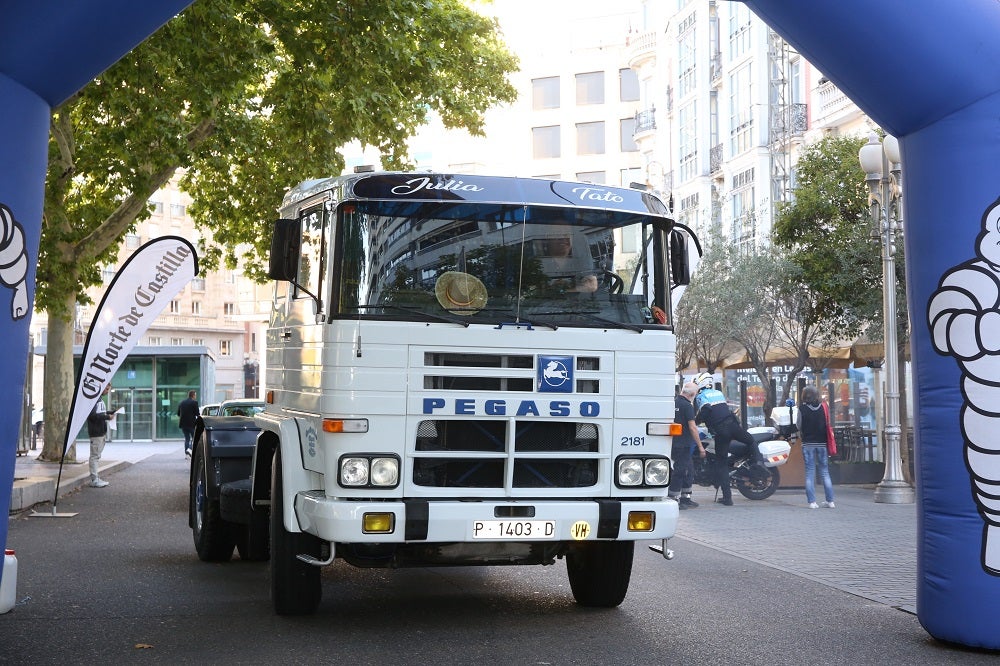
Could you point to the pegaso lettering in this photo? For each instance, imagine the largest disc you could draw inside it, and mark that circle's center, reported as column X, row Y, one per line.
column 472, row 407
column 591, row 194
column 416, row 184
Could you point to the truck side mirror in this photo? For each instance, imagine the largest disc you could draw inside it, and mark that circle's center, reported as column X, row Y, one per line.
column 284, row 258
column 680, row 267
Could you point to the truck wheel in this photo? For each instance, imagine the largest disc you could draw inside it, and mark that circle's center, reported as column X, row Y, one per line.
column 599, row 572
column 213, row 537
column 296, row 588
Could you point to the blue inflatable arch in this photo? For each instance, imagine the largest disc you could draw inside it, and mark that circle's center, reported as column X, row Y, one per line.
column 924, row 70
column 48, row 51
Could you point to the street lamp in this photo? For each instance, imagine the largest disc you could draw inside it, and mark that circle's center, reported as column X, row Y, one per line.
column 882, row 175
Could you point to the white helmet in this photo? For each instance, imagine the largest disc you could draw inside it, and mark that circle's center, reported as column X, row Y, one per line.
column 704, row 380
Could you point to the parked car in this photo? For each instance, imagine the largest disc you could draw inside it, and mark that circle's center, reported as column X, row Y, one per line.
column 241, row 407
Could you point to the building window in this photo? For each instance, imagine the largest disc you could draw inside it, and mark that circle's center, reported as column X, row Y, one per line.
column 590, row 88
column 175, row 307
column 225, row 347
column 590, row 138
column 545, row 93
column 545, row 142
column 176, row 342
column 627, row 138
column 740, row 20
column 740, row 107
column 198, row 342
column 153, row 341
column 633, row 175
column 253, row 343
column 108, row 273
column 157, row 207
column 744, row 222
column 230, row 277
column 686, row 59
column 595, row 177
column 178, row 210
column 196, row 307
column 229, row 309
column 198, row 284
column 687, row 148
column 628, row 85
column 132, row 241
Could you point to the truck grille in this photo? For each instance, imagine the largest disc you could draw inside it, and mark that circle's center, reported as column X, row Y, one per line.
column 454, row 453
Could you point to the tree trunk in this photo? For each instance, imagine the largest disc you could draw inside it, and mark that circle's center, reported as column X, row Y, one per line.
column 59, row 386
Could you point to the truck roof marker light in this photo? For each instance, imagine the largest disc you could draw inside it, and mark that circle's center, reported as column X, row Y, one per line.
column 345, row 425
column 668, row 429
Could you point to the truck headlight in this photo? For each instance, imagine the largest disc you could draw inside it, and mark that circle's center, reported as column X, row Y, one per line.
column 642, row 471
column 354, row 471
column 629, row 471
column 385, row 472
column 658, row 472
column 369, row 470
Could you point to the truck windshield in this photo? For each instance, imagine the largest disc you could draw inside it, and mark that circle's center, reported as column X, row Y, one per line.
column 475, row 263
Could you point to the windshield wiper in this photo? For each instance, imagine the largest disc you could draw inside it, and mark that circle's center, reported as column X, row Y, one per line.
column 518, row 321
column 591, row 316
column 402, row 308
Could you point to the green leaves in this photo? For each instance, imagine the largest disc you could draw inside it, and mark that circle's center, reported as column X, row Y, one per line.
column 249, row 97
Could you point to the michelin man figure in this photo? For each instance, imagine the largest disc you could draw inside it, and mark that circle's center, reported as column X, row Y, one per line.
column 964, row 320
column 13, row 262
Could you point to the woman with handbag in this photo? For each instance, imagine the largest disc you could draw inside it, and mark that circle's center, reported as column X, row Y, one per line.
column 818, row 444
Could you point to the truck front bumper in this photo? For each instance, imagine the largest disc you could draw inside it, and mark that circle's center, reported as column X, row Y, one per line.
column 449, row 521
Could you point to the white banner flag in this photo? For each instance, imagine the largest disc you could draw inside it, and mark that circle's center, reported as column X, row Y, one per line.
column 139, row 292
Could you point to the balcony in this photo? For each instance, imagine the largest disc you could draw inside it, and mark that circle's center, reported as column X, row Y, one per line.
column 791, row 120
column 645, row 121
column 715, row 159
column 715, row 70
column 641, row 49
column 831, row 106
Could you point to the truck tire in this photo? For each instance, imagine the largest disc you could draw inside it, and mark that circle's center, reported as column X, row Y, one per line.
column 600, row 571
column 296, row 588
column 213, row 537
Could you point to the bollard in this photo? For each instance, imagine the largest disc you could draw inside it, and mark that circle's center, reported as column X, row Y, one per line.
column 8, row 583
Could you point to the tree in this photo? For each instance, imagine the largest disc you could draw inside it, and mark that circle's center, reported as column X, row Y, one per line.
column 826, row 231
column 245, row 98
column 702, row 335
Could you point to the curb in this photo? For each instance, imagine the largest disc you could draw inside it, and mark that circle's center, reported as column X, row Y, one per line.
column 31, row 490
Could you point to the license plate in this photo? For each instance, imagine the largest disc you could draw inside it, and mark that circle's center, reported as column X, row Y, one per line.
column 514, row 529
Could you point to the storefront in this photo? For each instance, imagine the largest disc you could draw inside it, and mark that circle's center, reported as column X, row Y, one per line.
column 150, row 384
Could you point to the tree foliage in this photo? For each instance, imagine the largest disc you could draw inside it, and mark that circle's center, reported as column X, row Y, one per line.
column 245, row 98
column 826, row 231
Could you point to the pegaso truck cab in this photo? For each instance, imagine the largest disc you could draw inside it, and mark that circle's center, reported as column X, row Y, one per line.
column 467, row 370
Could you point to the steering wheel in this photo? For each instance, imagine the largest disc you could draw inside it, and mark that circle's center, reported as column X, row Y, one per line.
column 614, row 281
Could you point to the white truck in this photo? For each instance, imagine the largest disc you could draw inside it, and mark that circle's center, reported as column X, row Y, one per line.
column 466, row 370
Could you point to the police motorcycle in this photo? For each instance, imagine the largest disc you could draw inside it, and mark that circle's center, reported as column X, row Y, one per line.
column 755, row 479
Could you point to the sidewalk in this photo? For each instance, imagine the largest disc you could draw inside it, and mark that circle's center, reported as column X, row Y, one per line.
column 861, row 547
column 35, row 481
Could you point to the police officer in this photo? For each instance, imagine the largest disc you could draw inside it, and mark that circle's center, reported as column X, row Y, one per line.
column 711, row 408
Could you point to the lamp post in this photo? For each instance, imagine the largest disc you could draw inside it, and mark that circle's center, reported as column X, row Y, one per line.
column 883, row 177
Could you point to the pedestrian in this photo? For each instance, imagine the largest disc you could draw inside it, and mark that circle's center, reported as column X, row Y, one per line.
column 187, row 415
column 97, row 430
column 683, row 446
column 711, row 408
column 814, row 430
